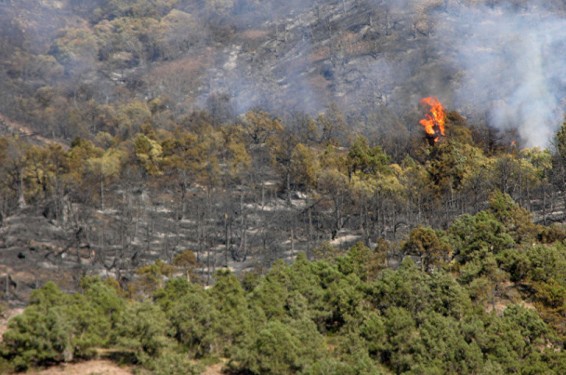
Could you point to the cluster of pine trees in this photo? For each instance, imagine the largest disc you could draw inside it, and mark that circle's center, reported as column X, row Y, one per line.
column 485, row 296
column 256, row 182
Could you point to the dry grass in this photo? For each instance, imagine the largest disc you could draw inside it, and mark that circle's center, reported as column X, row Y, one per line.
column 254, row 34
column 214, row 370
column 96, row 367
column 320, row 54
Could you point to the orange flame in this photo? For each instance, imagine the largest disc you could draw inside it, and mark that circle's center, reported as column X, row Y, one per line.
column 434, row 121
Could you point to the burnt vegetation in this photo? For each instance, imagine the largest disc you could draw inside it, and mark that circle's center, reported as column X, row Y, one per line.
column 191, row 182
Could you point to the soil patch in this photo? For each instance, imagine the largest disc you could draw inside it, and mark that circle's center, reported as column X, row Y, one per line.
column 96, row 367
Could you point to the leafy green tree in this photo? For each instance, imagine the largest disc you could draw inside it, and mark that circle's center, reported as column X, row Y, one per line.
column 39, row 176
column 187, row 262
column 305, row 281
column 237, row 156
column 447, row 166
column 541, row 268
column 529, row 324
column 271, row 293
column 195, row 321
column 305, row 167
column 171, row 362
column 480, row 264
column 105, row 168
column 517, row 221
column 447, row 350
column 502, row 344
column 143, row 329
column 38, row 335
column 343, row 300
column 365, row 159
column 180, row 163
column 357, row 261
column 420, row 191
column 329, row 366
column 516, row 263
column 430, row 246
column 418, row 291
column 275, row 351
column 80, row 152
column 150, row 278
column 353, row 350
column 547, row 262
column 310, row 316
column 261, row 128
column 148, row 153
column 280, row 348
column 447, row 296
column 56, row 327
column 105, row 299
column 234, row 323
column 368, row 326
column 470, row 234
column 133, row 39
column 335, row 190
column 403, row 342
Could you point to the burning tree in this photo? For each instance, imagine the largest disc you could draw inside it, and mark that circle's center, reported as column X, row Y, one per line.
column 434, row 120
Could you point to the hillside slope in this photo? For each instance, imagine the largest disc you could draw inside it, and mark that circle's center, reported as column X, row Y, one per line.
column 65, row 61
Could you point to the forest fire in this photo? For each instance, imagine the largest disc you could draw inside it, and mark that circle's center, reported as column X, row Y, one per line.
column 433, row 122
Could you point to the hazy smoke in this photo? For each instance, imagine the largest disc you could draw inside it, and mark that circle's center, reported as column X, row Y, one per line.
column 513, row 64
column 505, row 61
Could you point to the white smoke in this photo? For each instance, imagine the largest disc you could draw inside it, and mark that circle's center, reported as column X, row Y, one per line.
column 513, row 64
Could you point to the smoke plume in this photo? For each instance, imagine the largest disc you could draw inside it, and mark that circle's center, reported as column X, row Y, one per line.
column 513, row 65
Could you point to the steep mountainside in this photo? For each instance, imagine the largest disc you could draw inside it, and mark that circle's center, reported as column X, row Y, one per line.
column 369, row 57
column 122, row 169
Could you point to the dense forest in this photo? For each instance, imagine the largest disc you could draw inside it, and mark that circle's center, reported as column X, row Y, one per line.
column 245, row 182
column 263, row 188
column 457, row 278
column 487, row 298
